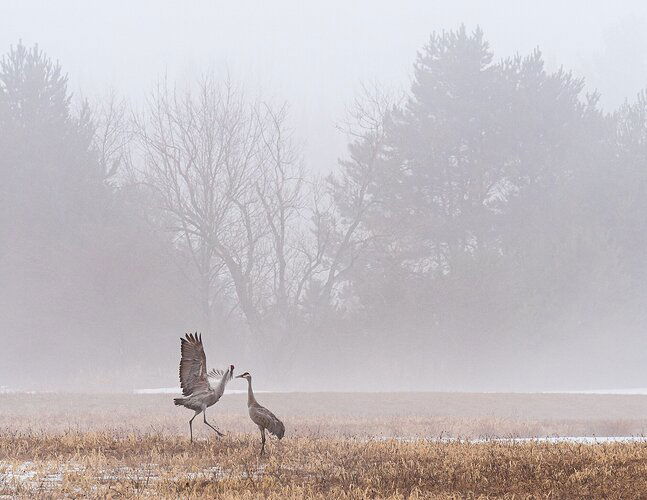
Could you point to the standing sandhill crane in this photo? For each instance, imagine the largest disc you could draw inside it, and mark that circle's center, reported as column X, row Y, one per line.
column 260, row 415
column 197, row 390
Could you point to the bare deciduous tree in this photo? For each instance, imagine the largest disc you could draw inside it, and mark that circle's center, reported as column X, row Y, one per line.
column 112, row 135
column 259, row 236
column 200, row 154
column 228, row 175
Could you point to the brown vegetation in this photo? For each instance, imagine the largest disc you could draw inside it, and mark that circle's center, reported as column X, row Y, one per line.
column 101, row 464
column 336, row 446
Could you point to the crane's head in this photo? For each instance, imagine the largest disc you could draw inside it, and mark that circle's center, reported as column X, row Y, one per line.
column 245, row 375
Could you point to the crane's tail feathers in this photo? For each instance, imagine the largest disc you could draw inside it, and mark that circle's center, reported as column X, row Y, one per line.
column 179, row 401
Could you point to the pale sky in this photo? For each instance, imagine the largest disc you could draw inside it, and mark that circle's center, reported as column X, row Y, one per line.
column 315, row 55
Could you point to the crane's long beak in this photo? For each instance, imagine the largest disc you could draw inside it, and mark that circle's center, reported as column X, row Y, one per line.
column 238, row 376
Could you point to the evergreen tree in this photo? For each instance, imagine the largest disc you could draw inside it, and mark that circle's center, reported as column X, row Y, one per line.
column 81, row 270
column 484, row 221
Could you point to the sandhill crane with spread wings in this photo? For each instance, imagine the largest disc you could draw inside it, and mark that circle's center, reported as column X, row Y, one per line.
column 261, row 416
column 197, row 389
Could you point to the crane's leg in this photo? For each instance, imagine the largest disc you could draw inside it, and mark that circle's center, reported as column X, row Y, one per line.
column 205, row 421
column 262, row 440
column 191, row 424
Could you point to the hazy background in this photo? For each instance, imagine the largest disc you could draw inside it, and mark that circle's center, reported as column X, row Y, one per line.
column 109, row 315
column 316, row 55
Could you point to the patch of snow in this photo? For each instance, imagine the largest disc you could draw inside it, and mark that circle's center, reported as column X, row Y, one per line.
column 633, row 391
column 47, row 476
column 576, row 439
column 177, row 390
column 6, row 390
column 210, row 473
column 160, row 390
column 552, row 440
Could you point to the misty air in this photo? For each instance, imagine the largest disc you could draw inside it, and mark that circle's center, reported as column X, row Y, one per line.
column 323, row 250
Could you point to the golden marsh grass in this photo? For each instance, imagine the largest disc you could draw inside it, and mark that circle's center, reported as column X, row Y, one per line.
column 137, row 446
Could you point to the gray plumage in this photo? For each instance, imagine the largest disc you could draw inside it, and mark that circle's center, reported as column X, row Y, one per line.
column 261, row 416
column 197, row 389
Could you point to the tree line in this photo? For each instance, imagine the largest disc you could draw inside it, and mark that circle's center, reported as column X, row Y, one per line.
column 489, row 220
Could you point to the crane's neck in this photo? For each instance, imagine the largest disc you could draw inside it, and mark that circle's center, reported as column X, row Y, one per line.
column 251, row 400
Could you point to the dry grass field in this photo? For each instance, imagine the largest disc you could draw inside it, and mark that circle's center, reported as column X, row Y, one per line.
column 336, row 446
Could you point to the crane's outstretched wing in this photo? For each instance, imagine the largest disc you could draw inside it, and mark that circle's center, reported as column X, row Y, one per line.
column 215, row 376
column 193, row 365
column 216, row 373
column 265, row 418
